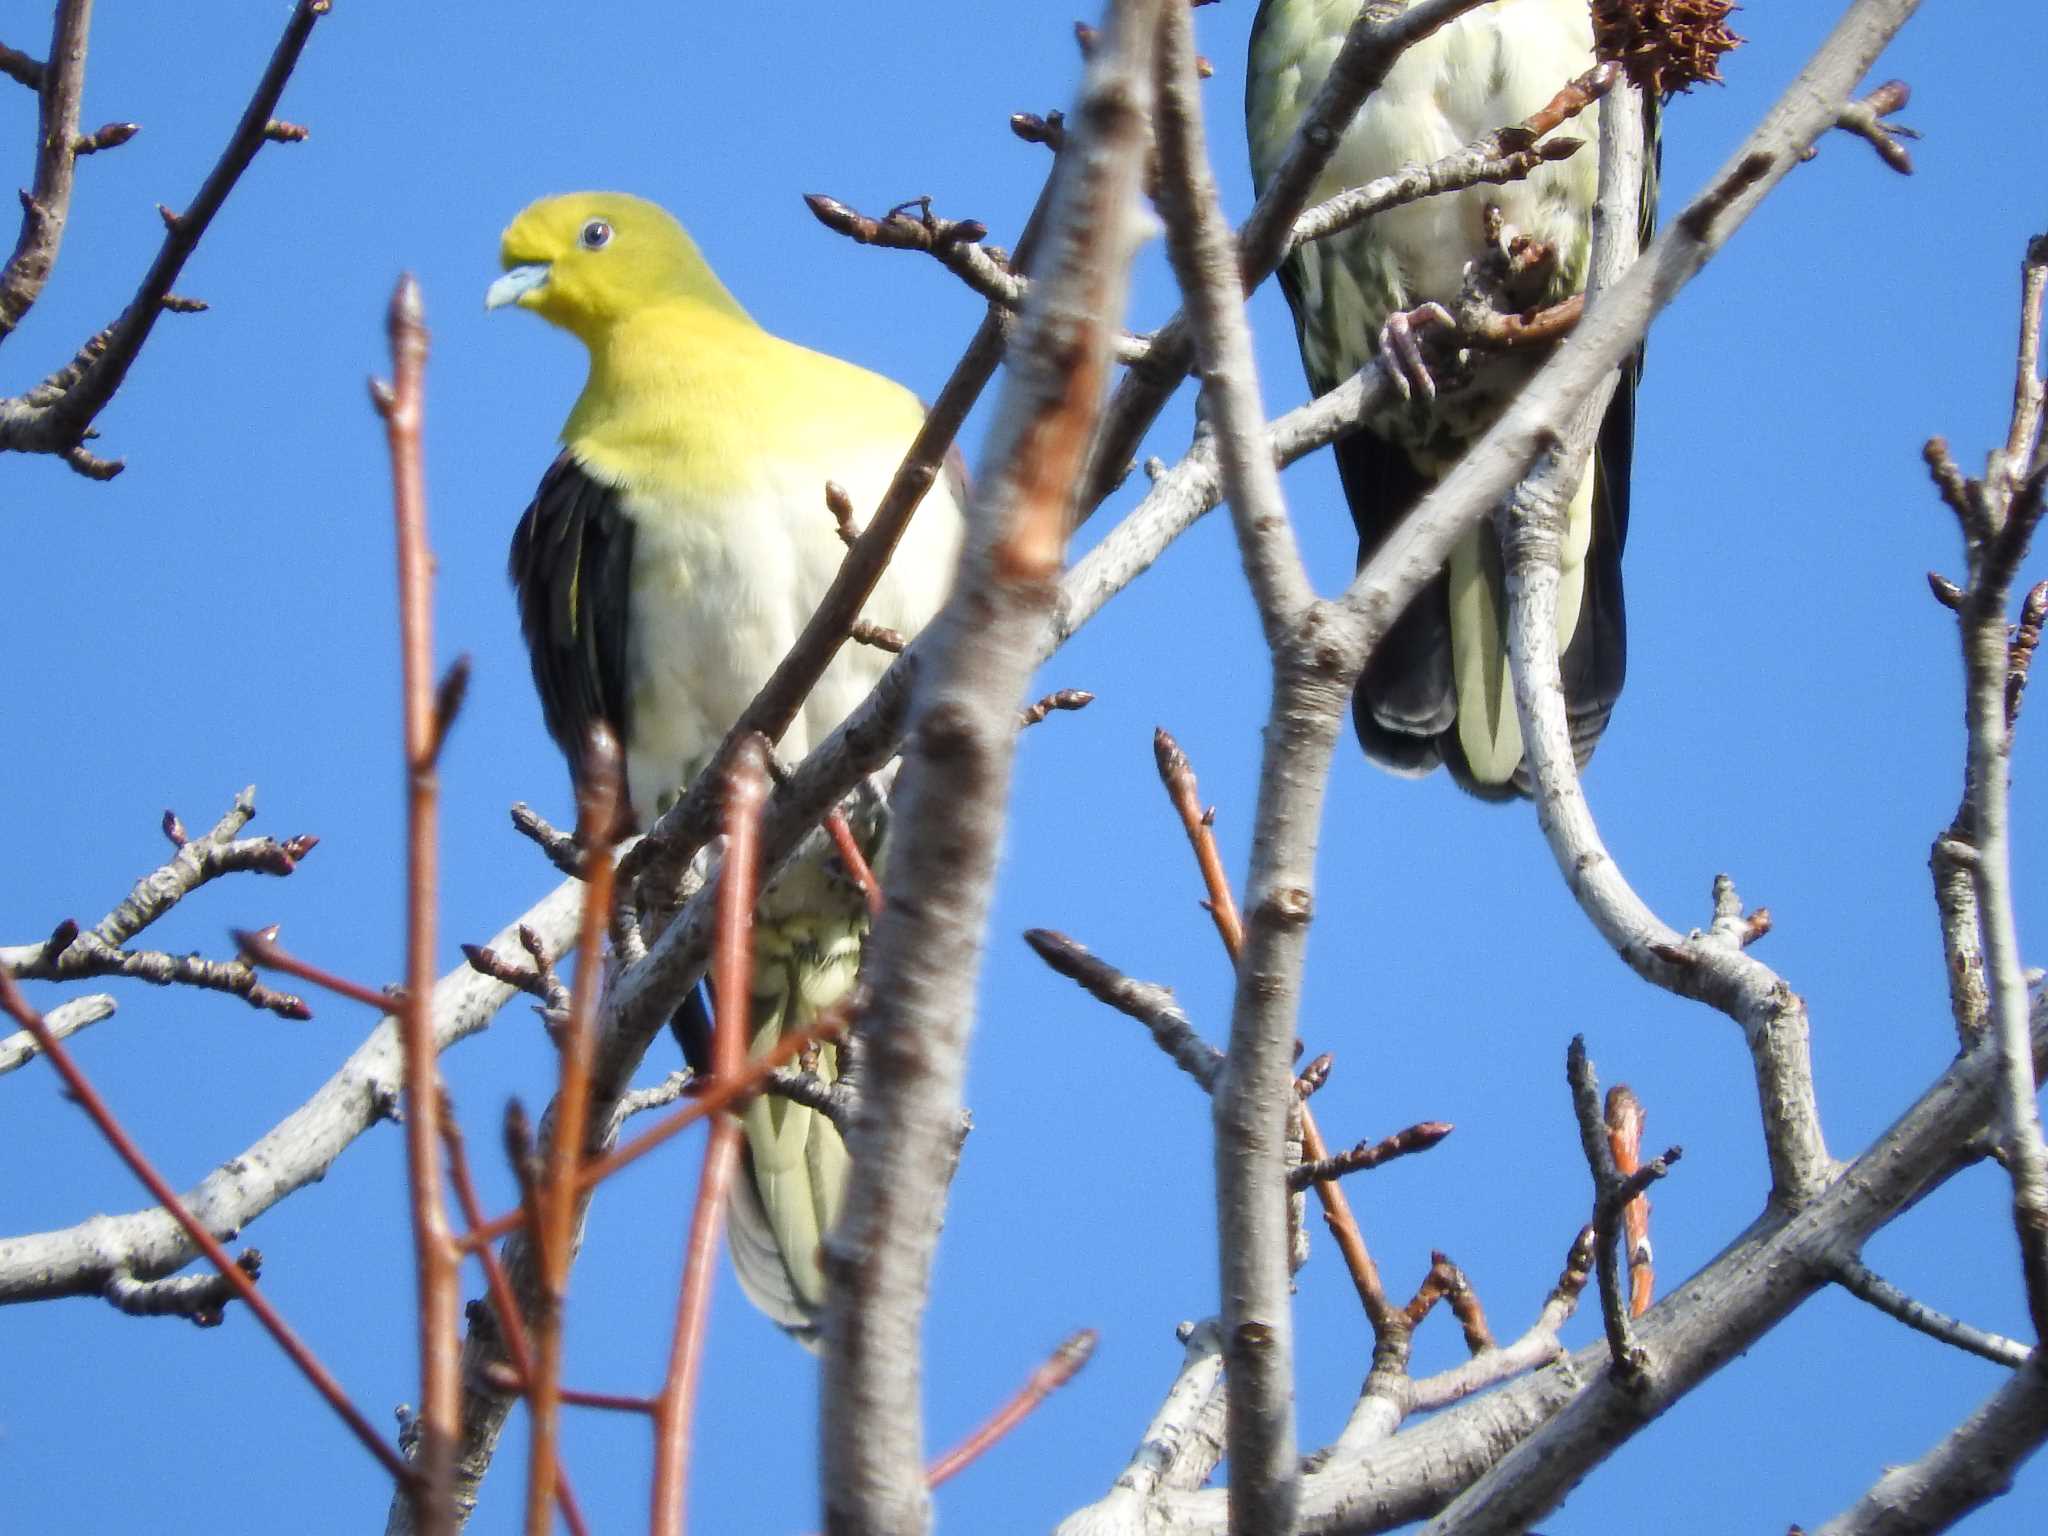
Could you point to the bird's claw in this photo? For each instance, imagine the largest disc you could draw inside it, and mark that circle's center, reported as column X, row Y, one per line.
column 1401, row 343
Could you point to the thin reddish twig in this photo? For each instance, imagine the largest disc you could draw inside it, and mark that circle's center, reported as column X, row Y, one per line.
column 597, row 813
column 1054, row 1372
column 855, row 861
column 746, row 791
column 402, row 404
column 1344, row 1230
column 1446, row 1282
column 715, row 1098
column 507, row 1379
column 116, row 1136
column 504, row 1303
column 1178, row 775
column 259, row 949
column 1625, row 1121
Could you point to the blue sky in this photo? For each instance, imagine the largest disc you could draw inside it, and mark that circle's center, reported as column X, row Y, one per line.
column 223, row 614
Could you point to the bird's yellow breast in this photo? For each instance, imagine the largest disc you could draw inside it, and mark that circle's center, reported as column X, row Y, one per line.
column 687, row 403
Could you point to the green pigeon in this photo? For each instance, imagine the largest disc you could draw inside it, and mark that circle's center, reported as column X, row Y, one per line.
column 1437, row 689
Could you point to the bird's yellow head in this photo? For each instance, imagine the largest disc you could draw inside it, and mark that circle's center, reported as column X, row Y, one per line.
column 587, row 259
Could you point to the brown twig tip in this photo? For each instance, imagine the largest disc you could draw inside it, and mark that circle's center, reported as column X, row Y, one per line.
column 1946, row 592
column 1369, row 1154
column 1058, row 699
column 1177, row 774
column 278, row 131
column 1049, row 130
column 840, row 504
column 1867, row 120
column 1167, row 753
column 880, row 636
column 1075, row 1351
column 1066, row 956
column 106, row 136
column 1314, row 1075
column 559, row 846
column 174, row 829
column 91, row 465
column 170, row 219
column 1665, row 45
column 1578, row 1263
column 182, row 304
column 449, row 695
column 259, row 947
column 1059, row 1368
column 898, row 229
column 1446, row 1282
column 2026, row 640
column 406, row 321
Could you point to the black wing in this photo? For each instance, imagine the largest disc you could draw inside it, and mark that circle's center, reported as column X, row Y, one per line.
column 572, row 566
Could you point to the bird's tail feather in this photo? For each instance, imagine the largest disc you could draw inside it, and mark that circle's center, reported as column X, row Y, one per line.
column 1438, row 688
column 795, row 1172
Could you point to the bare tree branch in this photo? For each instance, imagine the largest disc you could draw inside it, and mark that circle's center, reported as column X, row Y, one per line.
column 80, row 1260
column 950, row 799
column 59, row 85
column 1181, row 1445
column 72, row 954
column 1999, row 514
column 1969, row 1467
column 1518, row 1444
column 56, row 416
column 1709, row 966
column 1150, row 1004
column 1860, row 1281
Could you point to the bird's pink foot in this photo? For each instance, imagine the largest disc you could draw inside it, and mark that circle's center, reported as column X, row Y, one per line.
column 1401, row 344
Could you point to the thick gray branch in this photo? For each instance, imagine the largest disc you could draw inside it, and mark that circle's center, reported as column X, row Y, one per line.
column 1254, row 1093
column 952, row 794
column 1969, row 1467
column 45, row 208
column 1555, row 1425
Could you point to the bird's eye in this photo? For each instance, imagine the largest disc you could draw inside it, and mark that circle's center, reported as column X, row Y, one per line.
column 596, row 235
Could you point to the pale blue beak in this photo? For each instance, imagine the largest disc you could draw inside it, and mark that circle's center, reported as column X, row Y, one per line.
column 515, row 284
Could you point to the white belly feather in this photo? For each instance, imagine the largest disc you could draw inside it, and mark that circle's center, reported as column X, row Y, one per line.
column 722, row 589
column 1491, row 67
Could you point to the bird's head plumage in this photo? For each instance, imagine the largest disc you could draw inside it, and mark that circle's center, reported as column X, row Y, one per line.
column 588, row 259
